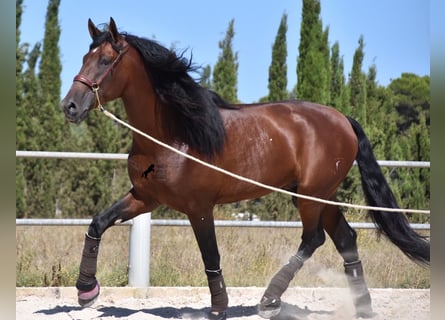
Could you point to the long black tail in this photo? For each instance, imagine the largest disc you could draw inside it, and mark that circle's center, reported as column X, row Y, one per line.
column 395, row 226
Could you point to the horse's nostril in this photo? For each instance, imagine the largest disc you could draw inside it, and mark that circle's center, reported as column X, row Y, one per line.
column 70, row 109
column 72, row 106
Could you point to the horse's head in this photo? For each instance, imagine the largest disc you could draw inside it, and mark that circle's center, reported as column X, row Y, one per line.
column 101, row 76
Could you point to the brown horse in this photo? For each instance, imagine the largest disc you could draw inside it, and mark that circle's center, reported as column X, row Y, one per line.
column 291, row 145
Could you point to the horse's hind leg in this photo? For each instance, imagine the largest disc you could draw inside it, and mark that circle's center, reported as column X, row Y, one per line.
column 344, row 238
column 126, row 208
column 312, row 238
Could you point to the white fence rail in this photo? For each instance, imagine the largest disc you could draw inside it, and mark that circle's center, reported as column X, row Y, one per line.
column 184, row 223
column 124, row 156
column 140, row 227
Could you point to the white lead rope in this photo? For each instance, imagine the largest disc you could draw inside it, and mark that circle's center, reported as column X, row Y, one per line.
column 241, row 178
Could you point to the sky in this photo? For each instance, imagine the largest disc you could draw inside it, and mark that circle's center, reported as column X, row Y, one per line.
column 396, row 33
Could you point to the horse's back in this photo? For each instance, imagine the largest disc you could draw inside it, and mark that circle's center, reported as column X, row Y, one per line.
column 312, row 122
column 288, row 143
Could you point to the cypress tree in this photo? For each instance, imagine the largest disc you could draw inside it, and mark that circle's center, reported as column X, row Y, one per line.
column 19, row 168
column 21, row 57
column 278, row 68
column 313, row 59
column 225, row 72
column 205, row 80
column 351, row 191
column 375, row 125
column 40, row 127
column 50, row 66
column 338, row 89
column 20, row 54
column 28, row 128
column 357, row 84
column 49, row 78
column 324, row 50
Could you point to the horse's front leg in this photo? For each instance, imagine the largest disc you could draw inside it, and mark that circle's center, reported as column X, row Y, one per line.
column 124, row 209
column 204, row 229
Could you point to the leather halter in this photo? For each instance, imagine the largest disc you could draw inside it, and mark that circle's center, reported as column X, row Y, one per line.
column 94, row 85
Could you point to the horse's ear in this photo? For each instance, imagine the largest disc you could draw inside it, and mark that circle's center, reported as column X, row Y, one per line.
column 113, row 30
column 94, row 32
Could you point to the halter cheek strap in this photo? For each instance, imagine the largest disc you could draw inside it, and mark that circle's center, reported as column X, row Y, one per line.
column 94, row 85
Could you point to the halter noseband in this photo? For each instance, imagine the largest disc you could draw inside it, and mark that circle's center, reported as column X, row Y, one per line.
column 94, row 85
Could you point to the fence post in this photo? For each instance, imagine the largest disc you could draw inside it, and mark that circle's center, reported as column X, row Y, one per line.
column 139, row 256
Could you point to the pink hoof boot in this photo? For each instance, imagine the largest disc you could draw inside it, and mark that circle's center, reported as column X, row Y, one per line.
column 88, row 298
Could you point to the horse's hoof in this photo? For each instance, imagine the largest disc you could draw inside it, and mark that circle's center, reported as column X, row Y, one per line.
column 88, row 298
column 365, row 314
column 269, row 307
column 363, row 308
column 215, row 315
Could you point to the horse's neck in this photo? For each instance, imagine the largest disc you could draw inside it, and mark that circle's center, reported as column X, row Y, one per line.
column 139, row 101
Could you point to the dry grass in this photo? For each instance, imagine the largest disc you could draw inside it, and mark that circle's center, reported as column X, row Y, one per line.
column 50, row 256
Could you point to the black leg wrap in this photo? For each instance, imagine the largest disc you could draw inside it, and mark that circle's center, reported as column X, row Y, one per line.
column 218, row 291
column 87, row 274
column 282, row 278
column 359, row 289
column 270, row 304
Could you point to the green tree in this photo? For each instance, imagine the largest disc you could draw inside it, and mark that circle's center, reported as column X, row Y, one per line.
column 412, row 184
column 351, row 190
column 375, row 122
column 20, row 59
column 411, row 126
column 39, row 122
column 278, row 68
column 338, row 90
column 50, row 65
column 49, row 78
column 51, row 119
column 27, row 129
column 27, row 114
column 411, row 99
column 225, row 72
column 313, row 60
column 420, row 151
column 380, row 122
column 357, row 84
column 20, row 53
column 206, row 74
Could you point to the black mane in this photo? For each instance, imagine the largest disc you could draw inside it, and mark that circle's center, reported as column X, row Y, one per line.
column 188, row 112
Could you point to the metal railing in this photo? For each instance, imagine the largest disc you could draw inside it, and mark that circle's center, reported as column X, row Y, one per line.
column 185, row 223
column 124, row 156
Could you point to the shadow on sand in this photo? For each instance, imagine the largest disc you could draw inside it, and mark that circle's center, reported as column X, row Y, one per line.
column 288, row 311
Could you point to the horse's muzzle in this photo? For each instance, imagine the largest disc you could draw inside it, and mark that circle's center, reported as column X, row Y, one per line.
column 73, row 113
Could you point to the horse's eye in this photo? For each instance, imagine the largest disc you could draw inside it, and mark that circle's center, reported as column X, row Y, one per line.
column 105, row 61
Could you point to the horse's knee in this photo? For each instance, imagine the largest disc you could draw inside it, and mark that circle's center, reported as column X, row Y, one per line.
column 345, row 240
column 319, row 239
column 310, row 242
column 94, row 229
column 100, row 223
